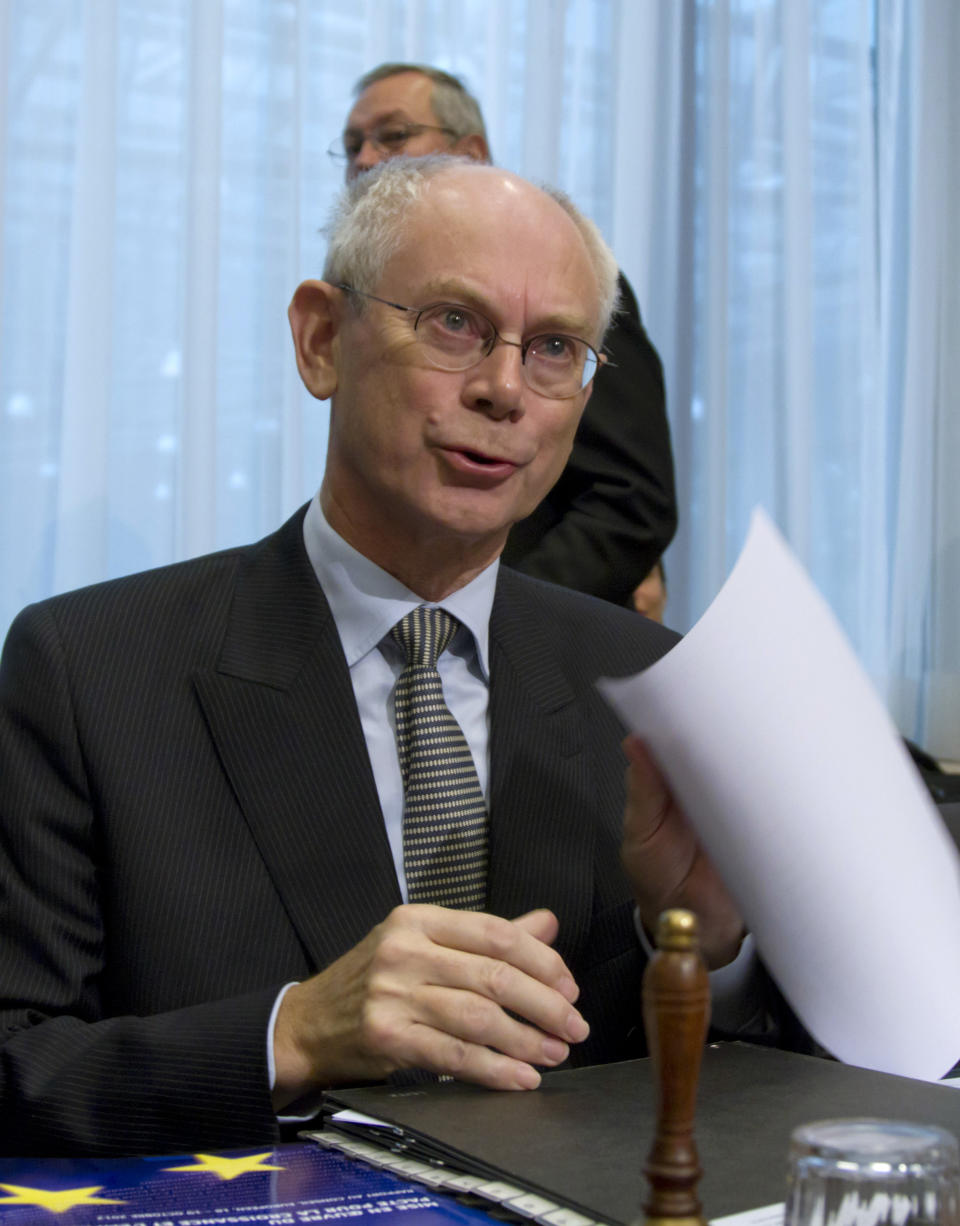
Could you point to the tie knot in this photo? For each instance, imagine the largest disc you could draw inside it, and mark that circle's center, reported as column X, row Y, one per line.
column 423, row 634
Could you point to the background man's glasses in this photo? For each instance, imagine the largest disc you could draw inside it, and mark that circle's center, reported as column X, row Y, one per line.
column 389, row 139
column 456, row 337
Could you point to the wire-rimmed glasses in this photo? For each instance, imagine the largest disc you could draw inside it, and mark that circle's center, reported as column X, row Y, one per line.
column 389, row 139
column 455, row 337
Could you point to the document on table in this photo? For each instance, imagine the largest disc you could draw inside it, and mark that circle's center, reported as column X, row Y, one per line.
column 784, row 759
column 766, row 1215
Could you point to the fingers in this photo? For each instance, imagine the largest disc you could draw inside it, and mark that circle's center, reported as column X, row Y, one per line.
column 466, row 1061
column 649, row 801
column 472, row 1038
column 659, row 846
column 473, row 995
column 488, row 1002
column 667, row 864
column 493, row 960
column 522, row 943
column 637, row 753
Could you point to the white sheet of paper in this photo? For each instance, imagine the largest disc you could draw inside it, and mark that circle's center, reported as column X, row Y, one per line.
column 786, row 762
column 766, row 1215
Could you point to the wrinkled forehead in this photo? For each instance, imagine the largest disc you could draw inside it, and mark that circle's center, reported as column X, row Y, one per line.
column 490, row 227
column 407, row 96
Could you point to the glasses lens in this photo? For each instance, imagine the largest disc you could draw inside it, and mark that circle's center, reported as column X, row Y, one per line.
column 392, row 139
column 453, row 336
column 559, row 365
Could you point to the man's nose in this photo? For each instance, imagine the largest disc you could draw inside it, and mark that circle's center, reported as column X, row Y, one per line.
column 496, row 384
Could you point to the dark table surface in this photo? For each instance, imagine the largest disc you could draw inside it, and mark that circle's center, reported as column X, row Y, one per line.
column 584, row 1135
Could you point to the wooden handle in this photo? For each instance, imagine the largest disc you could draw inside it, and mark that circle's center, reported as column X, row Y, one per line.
column 676, row 1012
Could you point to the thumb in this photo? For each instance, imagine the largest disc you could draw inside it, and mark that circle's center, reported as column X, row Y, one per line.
column 542, row 924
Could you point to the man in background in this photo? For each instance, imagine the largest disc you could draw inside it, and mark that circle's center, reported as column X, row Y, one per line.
column 612, row 512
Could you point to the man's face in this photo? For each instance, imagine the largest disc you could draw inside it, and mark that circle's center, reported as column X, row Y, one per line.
column 419, row 455
column 391, row 106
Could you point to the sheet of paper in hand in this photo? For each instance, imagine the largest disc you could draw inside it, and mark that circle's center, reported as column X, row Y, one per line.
column 784, row 759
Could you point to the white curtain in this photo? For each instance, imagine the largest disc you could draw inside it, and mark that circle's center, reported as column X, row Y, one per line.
column 777, row 177
column 789, row 218
column 919, row 244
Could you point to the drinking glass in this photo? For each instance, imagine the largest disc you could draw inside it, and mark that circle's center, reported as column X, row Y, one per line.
column 868, row 1172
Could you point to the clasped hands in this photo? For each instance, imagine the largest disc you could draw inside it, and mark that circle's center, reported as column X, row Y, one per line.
column 478, row 997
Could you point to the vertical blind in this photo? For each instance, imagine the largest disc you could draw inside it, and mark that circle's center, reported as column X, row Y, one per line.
column 777, row 177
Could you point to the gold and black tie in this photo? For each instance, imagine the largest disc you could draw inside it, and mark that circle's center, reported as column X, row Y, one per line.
column 444, row 818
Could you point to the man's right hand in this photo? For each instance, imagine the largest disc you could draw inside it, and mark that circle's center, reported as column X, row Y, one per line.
column 464, row 993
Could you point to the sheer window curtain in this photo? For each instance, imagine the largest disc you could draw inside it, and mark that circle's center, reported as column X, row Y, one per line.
column 164, row 177
column 798, row 166
column 776, row 177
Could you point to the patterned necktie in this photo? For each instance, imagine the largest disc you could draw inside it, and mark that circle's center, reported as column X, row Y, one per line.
column 445, row 818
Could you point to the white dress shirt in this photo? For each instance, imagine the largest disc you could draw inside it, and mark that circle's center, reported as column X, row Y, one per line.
column 367, row 602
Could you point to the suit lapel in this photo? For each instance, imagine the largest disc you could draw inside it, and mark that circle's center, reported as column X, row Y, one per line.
column 282, row 714
column 541, row 797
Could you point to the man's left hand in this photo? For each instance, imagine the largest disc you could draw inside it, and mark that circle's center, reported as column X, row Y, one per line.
column 667, row 864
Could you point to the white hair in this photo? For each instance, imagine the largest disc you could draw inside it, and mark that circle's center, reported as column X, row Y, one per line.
column 368, row 220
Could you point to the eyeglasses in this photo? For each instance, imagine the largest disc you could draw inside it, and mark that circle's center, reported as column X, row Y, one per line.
column 455, row 337
column 389, row 139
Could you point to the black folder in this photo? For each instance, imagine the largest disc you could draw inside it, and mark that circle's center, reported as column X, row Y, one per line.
column 582, row 1137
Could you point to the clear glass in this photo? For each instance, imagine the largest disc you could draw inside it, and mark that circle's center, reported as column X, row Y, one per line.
column 456, row 337
column 390, row 139
column 868, row 1172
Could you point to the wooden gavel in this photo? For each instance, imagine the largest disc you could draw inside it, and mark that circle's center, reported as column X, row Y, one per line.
column 676, row 1012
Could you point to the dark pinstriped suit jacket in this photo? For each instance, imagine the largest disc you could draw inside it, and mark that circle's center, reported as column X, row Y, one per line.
column 188, row 820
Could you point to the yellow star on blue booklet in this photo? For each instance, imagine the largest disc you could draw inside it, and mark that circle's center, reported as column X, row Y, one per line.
column 228, row 1168
column 56, row 1202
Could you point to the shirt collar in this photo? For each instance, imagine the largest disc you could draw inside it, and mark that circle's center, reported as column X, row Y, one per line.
column 367, row 602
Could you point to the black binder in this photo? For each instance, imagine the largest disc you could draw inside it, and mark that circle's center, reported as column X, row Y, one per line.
column 581, row 1139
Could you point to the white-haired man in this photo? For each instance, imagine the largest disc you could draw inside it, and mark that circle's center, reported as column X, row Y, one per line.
column 233, row 872
column 612, row 511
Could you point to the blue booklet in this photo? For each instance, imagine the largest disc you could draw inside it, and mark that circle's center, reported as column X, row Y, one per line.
column 286, row 1186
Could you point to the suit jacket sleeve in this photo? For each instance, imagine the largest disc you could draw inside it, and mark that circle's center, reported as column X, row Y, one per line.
column 613, row 511
column 74, row 1077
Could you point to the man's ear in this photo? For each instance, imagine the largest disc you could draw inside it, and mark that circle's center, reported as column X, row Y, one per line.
column 315, row 313
column 472, row 146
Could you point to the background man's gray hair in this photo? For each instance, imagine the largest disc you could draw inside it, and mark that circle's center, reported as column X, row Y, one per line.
column 367, row 223
column 454, row 107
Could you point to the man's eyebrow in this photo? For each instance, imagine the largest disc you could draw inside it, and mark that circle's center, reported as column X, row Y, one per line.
column 454, row 290
column 457, row 292
column 393, row 117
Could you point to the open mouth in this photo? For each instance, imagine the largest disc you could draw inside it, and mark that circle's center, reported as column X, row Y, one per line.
column 476, row 463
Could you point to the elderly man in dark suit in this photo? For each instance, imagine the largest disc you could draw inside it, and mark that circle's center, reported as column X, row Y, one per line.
column 252, row 843
column 612, row 511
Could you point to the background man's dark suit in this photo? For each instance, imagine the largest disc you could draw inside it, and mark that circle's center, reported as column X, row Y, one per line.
column 613, row 511
column 180, row 752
